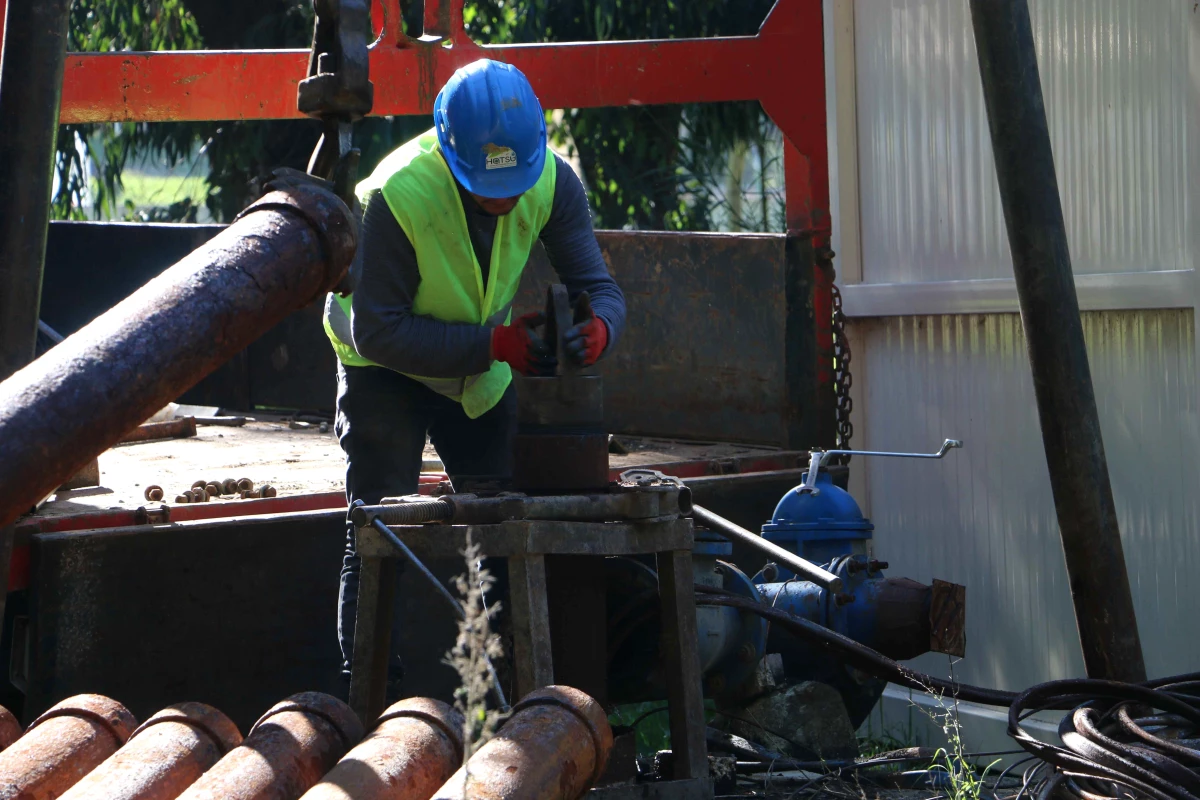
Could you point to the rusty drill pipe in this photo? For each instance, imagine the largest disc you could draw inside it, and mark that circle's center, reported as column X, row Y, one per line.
column 63, row 745
column 414, row 749
column 286, row 752
column 81, row 397
column 555, row 746
column 163, row 757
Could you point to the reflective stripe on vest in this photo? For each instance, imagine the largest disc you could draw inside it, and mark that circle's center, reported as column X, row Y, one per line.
column 421, row 193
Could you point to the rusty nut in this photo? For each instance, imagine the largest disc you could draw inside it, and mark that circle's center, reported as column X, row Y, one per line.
column 245, row 485
column 267, row 490
column 213, row 489
column 153, row 493
column 198, row 484
column 229, row 486
column 183, row 498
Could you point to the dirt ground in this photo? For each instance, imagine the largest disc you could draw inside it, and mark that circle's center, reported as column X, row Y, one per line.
column 293, row 461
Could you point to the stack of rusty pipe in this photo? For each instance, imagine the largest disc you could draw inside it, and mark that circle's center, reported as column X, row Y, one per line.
column 553, row 747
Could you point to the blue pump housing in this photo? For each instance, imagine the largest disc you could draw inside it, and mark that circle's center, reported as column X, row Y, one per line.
column 818, row 526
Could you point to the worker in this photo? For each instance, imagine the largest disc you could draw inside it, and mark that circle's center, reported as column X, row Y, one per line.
column 426, row 344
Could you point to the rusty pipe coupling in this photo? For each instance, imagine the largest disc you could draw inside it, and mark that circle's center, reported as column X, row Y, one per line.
column 62, row 746
column 166, row 755
column 415, row 748
column 286, row 752
column 555, row 746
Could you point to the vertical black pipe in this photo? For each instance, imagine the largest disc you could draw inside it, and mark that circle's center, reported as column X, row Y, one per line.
column 31, row 76
column 1062, row 379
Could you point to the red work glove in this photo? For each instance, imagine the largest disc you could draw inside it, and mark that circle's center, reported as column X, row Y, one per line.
column 586, row 340
column 519, row 346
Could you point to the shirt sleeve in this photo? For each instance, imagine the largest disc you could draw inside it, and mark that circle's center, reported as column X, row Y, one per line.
column 382, row 323
column 571, row 246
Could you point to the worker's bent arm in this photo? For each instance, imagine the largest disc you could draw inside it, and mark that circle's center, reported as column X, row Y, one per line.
column 383, row 324
column 571, row 246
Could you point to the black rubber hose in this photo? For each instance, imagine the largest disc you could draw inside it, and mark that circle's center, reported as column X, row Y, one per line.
column 1104, row 746
column 859, row 655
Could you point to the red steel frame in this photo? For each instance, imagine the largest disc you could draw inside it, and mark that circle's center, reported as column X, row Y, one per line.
column 783, row 67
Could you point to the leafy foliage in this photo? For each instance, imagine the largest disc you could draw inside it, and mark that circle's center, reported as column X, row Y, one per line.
column 677, row 167
column 106, row 25
column 658, row 167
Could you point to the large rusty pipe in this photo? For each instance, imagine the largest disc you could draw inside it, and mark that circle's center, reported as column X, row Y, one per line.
column 554, row 747
column 286, row 752
column 163, row 757
column 63, row 745
column 81, row 397
column 414, row 749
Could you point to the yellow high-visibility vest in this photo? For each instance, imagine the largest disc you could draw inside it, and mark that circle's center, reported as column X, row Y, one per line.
column 420, row 190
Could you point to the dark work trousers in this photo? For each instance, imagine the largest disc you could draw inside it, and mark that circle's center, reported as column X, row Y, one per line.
column 383, row 418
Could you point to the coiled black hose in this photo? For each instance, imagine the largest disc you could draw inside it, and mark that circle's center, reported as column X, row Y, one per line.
column 1119, row 740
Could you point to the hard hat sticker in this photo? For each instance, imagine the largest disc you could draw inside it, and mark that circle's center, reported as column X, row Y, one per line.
column 499, row 157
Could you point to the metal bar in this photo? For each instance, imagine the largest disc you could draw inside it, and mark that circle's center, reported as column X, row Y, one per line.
column 82, row 396
column 1062, row 380
column 685, row 690
column 1110, row 291
column 533, row 659
column 31, row 80
column 806, row 569
column 372, row 638
column 182, row 428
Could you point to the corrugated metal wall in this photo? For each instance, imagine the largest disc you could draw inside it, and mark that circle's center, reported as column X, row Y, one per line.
column 1119, row 93
column 1120, row 82
column 984, row 516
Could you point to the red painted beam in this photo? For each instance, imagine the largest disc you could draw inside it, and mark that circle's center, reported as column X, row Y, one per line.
column 212, row 85
column 192, row 86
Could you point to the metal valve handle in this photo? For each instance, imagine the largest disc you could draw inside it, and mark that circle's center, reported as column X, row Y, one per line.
column 819, row 457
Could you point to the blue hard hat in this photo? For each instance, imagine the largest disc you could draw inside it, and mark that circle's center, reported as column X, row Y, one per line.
column 491, row 129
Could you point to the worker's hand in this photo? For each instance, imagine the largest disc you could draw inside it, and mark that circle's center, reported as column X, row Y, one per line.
column 584, row 343
column 519, row 346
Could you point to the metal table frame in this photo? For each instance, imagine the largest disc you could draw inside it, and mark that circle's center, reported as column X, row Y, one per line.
column 525, row 543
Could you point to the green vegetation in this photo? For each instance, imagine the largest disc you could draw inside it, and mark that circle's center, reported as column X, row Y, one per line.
column 143, row 194
column 678, row 167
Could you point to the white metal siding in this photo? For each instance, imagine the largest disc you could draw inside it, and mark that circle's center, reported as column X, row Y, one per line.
column 1121, row 105
column 984, row 516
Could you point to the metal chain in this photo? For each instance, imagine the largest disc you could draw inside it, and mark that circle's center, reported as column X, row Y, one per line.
column 842, row 379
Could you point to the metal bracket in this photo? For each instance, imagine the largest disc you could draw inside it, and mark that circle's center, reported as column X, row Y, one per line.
column 817, row 458
column 647, row 477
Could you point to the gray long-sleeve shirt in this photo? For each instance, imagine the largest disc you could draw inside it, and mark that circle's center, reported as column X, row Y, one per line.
column 384, row 327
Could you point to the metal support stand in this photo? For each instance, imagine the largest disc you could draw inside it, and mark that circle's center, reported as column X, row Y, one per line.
column 1062, row 378
column 525, row 543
